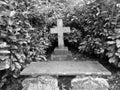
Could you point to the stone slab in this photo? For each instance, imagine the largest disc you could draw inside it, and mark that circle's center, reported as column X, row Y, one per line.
column 65, row 68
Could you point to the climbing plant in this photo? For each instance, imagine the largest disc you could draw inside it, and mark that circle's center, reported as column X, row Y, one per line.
column 98, row 23
column 25, row 32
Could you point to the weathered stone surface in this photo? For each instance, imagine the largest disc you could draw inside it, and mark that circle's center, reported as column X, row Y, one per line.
column 61, row 51
column 61, row 57
column 65, row 68
column 61, row 54
column 60, row 30
column 40, row 83
column 89, row 83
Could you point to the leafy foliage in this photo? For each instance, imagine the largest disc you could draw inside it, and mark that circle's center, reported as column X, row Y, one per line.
column 98, row 23
column 25, row 25
column 23, row 30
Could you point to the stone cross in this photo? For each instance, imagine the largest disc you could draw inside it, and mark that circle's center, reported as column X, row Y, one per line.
column 60, row 30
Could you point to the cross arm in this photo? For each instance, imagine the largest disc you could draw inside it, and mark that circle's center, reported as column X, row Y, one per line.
column 66, row 29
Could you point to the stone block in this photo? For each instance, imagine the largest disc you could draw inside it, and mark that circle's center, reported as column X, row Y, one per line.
column 61, row 57
column 89, row 83
column 40, row 83
column 61, row 51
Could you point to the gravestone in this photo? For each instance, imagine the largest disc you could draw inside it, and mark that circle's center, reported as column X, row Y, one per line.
column 61, row 52
column 68, row 68
column 44, row 74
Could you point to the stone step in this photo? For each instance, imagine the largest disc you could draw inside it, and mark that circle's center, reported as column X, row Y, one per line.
column 61, row 57
column 61, row 51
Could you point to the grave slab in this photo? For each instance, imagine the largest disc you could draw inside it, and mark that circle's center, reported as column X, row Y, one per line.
column 65, row 68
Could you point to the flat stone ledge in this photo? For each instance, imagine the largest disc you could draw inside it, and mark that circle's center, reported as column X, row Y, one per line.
column 65, row 68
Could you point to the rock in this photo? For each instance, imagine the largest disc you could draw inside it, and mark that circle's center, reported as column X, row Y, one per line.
column 89, row 83
column 40, row 83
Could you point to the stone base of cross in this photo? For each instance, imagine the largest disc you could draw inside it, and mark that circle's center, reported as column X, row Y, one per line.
column 60, row 53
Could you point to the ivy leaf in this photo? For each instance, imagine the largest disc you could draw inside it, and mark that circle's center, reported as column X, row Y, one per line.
column 117, row 54
column 118, row 43
column 14, row 47
column 112, row 59
column 111, row 42
column 17, row 65
column 5, row 64
column 18, row 55
column 12, row 67
column 1, row 2
column 117, row 30
column 109, row 54
column 43, row 57
column 3, row 57
column 119, row 64
column 114, row 22
column 12, row 13
column 118, row 5
column 4, row 44
column 5, row 13
column 13, row 38
column 10, row 22
column 4, row 52
column 118, row 50
column 112, row 37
